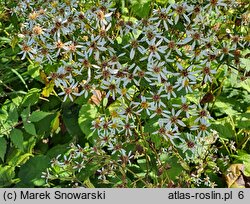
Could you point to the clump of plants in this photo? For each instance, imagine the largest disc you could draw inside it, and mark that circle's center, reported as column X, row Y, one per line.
column 148, row 95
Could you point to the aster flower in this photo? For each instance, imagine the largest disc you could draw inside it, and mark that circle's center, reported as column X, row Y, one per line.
column 171, row 134
column 44, row 55
column 142, row 105
column 69, row 90
column 59, row 26
column 173, row 46
column 58, row 45
column 202, row 128
column 111, row 86
column 102, row 18
column 161, row 16
column 208, row 73
column 125, row 157
column 226, row 50
column 79, row 166
column 173, row 119
column 102, row 174
column 170, row 89
column 139, row 76
column 202, row 113
column 127, row 127
column 214, row 5
column 196, row 36
column 115, row 146
column 135, row 45
column 180, row 10
column 95, row 46
column 46, row 175
column 158, row 111
column 28, row 49
column 105, row 138
column 157, row 71
column 156, row 98
column 184, row 106
column 154, row 50
column 189, row 144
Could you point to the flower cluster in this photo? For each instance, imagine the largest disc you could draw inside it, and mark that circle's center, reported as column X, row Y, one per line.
column 145, row 69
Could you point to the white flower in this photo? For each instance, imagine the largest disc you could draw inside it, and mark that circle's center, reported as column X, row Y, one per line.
column 139, row 75
column 180, row 10
column 214, row 5
column 111, row 86
column 173, row 119
column 68, row 90
column 201, row 128
column 196, row 36
column 124, row 157
column 158, row 111
column 102, row 18
column 208, row 73
column 161, row 16
column 135, row 45
column 172, row 45
column 28, row 48
column 127, row 127
column 170, row 89
column 154, row 50
column 202, row 113
column 143, row 104
column 95, row 46
column 156, row 98
column 79, row 166
column 157, row 71
column 102, row 173
column 184, row 106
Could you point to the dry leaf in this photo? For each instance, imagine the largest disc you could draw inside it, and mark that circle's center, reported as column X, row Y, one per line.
column 234, row 176
column 97, row 97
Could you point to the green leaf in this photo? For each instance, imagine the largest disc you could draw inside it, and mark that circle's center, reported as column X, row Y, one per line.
column 142, row 163
column 13, row 114
column 25, row 114
column 165, row 1
column 38, row 115
column 247, row 169
column 20, row 77
column 151, row 125
column 175, row 168
column 56, row 150
column 16, row 137
column 31, row 97
column 225, row 108
column 30, row 128
column 157, row 140
column 33, row 70
column 14, row 41
column 243, row 121
column 164, row 157
column 30, row 173
column 89, row 170
column 55, row 123
column 141, row 8
column 70, row 119
column 245, row 63
column 7, row 173
column 242, row 157
column 224, row 127
column 87, row 114
column 17, row 158
column 3, row 147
